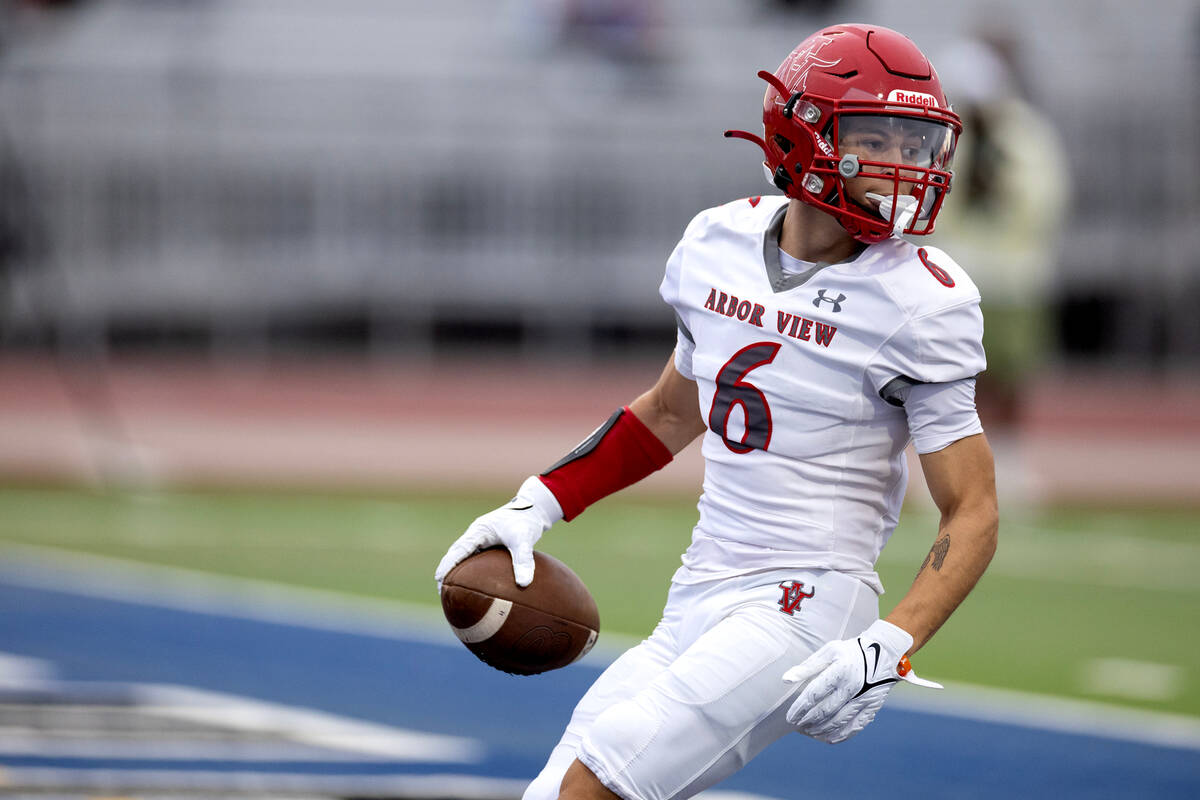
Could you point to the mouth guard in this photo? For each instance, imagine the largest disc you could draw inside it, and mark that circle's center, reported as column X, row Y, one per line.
column 906, row 209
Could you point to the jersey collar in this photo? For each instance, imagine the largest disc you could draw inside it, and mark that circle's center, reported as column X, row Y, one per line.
column 781, row 281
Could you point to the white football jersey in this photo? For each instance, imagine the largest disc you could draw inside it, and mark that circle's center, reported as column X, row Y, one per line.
column 804, row 461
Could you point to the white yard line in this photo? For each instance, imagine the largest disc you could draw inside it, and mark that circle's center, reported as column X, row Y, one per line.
column 291, row 733
column 172, row 587
column 316, row 728
column 1132, row 678
column 107, row 745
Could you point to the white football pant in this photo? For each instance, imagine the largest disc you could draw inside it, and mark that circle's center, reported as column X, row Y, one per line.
column 704, row 694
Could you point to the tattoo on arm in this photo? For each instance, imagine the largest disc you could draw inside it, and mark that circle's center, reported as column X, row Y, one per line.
column 937, row 555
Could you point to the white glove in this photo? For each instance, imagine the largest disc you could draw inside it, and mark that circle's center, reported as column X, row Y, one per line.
column 848, row 681
column 517, row 525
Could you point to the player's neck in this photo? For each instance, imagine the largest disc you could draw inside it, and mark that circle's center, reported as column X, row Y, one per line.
column 810, row 234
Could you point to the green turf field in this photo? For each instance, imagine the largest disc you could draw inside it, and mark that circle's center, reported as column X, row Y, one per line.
column 1087, row 603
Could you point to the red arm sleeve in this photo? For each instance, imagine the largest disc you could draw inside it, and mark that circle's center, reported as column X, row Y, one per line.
column 619, row 453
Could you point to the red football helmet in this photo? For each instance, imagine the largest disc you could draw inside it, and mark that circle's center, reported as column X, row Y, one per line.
column 860, row 101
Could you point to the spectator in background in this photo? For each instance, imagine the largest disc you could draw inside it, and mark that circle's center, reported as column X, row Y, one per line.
column 625, row 32
column 809, row 6
column 1002, row 222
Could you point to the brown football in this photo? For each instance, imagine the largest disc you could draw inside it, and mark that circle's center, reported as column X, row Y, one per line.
column 548, row 624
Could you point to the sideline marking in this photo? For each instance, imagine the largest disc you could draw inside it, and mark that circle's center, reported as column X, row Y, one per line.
column 292, row 734
column 240, row 598
column 1126, row 677
column 287, row 724
column 23, row 671
column 317, row 728
column 1050, row 713
column 141, row 583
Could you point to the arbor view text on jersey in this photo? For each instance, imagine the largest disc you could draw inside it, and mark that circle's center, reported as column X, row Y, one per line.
column 789, row 324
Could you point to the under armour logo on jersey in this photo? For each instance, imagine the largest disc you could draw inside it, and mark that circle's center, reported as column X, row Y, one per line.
column 821, row 298
column 793, row 594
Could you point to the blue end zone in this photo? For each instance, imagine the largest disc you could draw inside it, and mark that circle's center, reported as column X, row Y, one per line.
column 439, row 688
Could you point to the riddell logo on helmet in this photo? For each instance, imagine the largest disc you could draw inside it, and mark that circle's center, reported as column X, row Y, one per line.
column 918, row 98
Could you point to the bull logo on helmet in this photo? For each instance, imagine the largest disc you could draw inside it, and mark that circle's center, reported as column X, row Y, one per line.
column 795, row 71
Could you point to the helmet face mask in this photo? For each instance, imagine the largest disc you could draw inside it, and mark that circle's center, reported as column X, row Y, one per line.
column 855, row 111
column 894, row 157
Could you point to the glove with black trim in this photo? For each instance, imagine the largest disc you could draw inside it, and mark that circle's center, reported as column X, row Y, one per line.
column 517, row 525
column 848, row 681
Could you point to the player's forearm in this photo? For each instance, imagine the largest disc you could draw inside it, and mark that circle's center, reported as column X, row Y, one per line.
column 670, row 410
column 674, row 430
column 632, row 444
column 965, row 544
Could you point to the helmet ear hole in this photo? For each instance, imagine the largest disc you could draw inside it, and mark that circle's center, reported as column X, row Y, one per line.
column 784, row 143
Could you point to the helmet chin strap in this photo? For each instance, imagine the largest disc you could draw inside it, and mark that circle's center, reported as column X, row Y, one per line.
column 906, row 209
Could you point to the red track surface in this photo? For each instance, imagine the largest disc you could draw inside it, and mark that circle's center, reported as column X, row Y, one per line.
column 410, row 424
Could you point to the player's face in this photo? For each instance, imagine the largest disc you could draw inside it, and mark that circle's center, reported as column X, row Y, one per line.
column 881, row 142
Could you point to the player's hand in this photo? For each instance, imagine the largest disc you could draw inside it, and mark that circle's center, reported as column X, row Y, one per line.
column 848, row 681
column 517, row 525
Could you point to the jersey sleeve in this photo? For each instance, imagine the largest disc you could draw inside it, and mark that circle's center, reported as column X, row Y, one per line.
column 671, row 292
column 937, row 347
column 670, row 288
column 939, row 414
column 685, row 347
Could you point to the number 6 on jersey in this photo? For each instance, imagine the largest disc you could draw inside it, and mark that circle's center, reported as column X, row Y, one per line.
column 733, row 389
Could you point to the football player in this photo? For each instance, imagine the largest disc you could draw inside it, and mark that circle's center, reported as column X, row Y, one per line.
column 814, row 343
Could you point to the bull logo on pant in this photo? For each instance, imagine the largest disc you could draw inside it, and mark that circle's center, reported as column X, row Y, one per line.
column 793, row 594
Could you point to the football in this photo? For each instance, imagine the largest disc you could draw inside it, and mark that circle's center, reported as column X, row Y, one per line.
column 547, row 625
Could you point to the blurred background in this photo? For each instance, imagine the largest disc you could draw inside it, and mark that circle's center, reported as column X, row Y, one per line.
column 292, row 290
column 267, row 184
